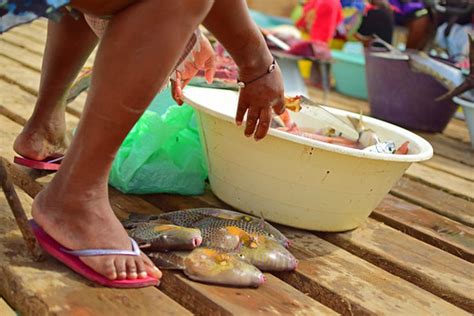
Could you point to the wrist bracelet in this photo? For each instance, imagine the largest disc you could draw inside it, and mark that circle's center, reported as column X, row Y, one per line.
column 270, row 69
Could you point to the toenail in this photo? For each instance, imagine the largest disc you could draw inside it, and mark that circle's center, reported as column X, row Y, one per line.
column 142, row 275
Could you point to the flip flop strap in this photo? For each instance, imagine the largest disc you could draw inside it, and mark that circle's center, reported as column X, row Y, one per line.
column 55, row 160
column 104, row 252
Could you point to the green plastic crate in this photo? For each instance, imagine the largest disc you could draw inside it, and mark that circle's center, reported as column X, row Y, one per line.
column 348, row 69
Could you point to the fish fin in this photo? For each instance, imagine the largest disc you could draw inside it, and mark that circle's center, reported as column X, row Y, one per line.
column 355, row 122
column 262, row 221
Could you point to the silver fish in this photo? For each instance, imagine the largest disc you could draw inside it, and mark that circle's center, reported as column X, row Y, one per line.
column 382, row 148
column 367, row 136
column 211, row 266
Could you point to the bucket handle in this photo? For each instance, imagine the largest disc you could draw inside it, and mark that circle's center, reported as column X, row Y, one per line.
column 384, row 44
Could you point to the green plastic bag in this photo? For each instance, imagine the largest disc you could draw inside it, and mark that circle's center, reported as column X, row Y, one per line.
column 161, row 154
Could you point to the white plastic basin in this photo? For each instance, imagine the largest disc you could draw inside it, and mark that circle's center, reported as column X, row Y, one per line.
column 293, row 180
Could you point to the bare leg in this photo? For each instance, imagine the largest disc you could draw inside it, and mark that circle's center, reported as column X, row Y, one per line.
column 419, row 31
column 137, row 53
column 69, row 44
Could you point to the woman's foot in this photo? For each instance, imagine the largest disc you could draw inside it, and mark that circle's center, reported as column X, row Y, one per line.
column 81, row 222
column 39, row 142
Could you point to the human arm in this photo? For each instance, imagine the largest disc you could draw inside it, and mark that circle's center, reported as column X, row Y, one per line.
column 231, row 24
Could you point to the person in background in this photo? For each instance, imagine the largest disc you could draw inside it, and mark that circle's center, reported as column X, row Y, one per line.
column 378, row 20
column 320, row 19
column 416, row 17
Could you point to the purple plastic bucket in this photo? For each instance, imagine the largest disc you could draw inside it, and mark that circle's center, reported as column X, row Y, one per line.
column 406, row 98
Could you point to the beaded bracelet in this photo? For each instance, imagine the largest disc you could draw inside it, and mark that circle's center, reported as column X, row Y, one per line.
column 270, row 69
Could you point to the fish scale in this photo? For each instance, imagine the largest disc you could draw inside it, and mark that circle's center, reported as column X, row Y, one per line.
column 209, row 225
column 210, row 219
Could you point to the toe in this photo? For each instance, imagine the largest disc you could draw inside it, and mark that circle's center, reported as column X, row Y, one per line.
column 121, row 268
column 150, row 267
column 131, row 268
column 141, row 269
column 107, row 268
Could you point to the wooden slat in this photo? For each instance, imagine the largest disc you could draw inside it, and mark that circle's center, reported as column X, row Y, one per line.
column 22, row 42
column 41, row 22
column 22, row 103
column 342, row 279
column 5, row 309
column 445, row 181
column 451, row 167
column 457, row 129
column 449, row 148
column 360, row 290
column 45, row 288
column 274, row 296
column 427, row 226
column 430, row 268
column 278, row 298
column 14, row 72
column 29, row 34
column 438, row 201
column 21, row 55
column 237, row 302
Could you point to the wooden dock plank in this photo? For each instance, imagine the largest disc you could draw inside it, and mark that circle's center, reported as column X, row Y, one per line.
column 442, row 180
column 280, row 298
column 13, row 72
column 438, row 201
column 351, row 285
column 5, row 309
column 21, row 55
column 22, row 42
column 450, row 148
column 457, row 129
column 452, row 167
column 355, row 296
column 49, row 288
column 30, row 34
column 430, row 268
column 274, row 296
column 427, row 226
column 22, row 103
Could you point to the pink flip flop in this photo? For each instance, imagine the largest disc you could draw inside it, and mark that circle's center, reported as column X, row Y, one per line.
column 48, row 164
column 71, row 259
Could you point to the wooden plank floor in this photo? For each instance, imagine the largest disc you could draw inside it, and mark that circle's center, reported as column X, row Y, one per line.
column 414, row 256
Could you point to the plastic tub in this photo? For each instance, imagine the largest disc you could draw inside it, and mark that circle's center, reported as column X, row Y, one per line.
column 348, row 69
column 292, row 180
column 406, row 98
column 468, row 109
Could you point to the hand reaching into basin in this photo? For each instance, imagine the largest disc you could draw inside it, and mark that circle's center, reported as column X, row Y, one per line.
column 231, row 24
column 257, row 100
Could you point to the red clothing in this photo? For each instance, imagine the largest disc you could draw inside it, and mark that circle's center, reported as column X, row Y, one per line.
column 320, row 19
